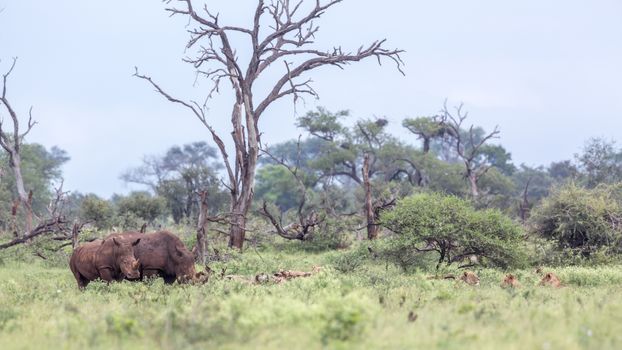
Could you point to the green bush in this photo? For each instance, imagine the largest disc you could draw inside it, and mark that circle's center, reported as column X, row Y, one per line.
column 96, row 210
column 344, row 320
column 330, row 235
column 351, row 260
column 142, row 205
column 451, row 227
column 581, row 220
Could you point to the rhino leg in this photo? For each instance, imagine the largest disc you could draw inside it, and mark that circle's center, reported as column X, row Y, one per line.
column 106, row 275
column 169, row 279
column 82, row 281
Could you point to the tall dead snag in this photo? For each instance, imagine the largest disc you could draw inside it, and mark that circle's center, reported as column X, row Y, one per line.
column 202, row 228
column 11, row 143
column 373, row 208
column 372, row 226
column 524, row 206
column 468, row 146
column 281, row 31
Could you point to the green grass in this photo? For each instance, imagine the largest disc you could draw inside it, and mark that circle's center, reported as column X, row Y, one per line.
column 41, row 307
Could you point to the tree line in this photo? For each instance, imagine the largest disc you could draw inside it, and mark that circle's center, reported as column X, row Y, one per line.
column 337, row 173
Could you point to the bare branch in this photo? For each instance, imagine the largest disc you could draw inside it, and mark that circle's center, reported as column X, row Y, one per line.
column 5, row 142
column 468, row 152
column 336, row 58
column 306, row 222
column 31, row 124
column 200, row 114
column 48, row 226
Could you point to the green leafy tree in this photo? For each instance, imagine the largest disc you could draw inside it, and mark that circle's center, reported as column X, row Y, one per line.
column 427, row 129
column 498, row 157
column 564, row 171
column 277, row 185
column 179, row 175
column 601, row 162
column 141, row 205
column 452, row 228
column 364, row 155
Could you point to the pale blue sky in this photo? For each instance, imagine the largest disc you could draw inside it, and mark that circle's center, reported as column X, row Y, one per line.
column 547, row 72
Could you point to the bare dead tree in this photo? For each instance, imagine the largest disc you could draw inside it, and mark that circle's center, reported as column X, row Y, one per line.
column 524, row 205
column 307, row 217
column 468, row 147
column 202, row 228
column 372, row 226
column 280, row 32
column 11, row 143
column 373, row 208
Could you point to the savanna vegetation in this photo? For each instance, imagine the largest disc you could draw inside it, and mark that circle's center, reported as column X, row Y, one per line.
column 346, row 237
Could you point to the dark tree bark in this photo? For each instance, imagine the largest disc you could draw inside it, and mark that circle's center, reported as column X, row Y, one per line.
column 372, row 227
column 286, row 38
column 202, row 227
column 524, row 205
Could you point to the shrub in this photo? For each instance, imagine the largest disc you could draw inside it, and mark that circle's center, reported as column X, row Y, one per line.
column 397, row 251
column 330, row 235
column 350, row 261
column 142, row 205
column 96, row 210
column 344, row 320
column 451, row 227
column 579, row 219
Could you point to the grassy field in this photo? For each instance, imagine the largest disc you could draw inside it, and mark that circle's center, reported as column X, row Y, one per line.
column 41, row 307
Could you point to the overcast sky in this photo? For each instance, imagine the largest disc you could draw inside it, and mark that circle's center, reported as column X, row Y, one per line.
column 547, row 72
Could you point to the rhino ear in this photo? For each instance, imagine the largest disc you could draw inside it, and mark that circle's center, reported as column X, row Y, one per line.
column 114, row 239
column 179, row 251
column 136, row 242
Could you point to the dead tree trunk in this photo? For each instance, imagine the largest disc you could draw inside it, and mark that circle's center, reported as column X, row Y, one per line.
column 372, row 226
column 524, row 205
column 285, row 39
column 11, row 143
column 202, row 228
column 473, row 183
